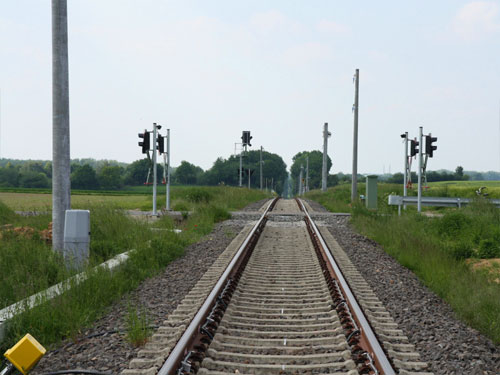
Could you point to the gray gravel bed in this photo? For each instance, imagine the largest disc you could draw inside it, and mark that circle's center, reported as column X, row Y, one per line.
column 255, row 206
column 446, row 344
column 316, row 206
column 158, row 295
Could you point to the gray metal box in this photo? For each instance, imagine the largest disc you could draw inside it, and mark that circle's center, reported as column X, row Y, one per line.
column 76, row 237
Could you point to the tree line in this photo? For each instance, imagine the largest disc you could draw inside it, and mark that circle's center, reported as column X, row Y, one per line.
column 91, row 174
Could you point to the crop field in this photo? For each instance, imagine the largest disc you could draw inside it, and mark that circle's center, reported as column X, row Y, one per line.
column 464, row 189
column 182, row 198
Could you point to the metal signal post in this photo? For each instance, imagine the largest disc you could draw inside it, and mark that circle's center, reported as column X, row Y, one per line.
column 168, row 170
column 420, row 162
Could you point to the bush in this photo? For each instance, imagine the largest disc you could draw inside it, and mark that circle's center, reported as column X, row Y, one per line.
column 181, row 205
column 453, row 223
column 488, row 248
column 461, row 250
column 199, row 196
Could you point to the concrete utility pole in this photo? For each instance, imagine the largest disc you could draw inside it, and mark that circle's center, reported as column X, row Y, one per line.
column 307, row 174
column 260, row 167
column 61, row 187
column 168, row 169
column 154, row 167
column 324, row 175
column 354, row 187
column 420, row 154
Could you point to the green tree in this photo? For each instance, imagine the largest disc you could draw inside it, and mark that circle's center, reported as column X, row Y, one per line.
column 396, row 178
column 47, row 169
column 84, row 177
column 187, row 173
column 227, row 170
column 315, row 168
column 32, row 166
column 137, row 172
column 33, row 180
column 110, row 177
column 9, row 176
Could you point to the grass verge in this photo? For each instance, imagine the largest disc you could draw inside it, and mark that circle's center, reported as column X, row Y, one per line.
column 439, row 251
column 28, row 264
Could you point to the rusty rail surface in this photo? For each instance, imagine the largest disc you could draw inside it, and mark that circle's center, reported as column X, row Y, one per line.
column 365, row 346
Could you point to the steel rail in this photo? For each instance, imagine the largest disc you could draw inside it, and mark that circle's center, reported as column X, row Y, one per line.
column 177, row 354
column 381, row 360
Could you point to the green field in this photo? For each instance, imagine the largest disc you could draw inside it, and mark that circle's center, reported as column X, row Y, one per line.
column 135, row 198
column 464, row 189
column 339, row 197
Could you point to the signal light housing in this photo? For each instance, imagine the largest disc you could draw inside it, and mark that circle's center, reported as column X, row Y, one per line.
column 145, row 143
column 429, row 147
column 414, row 147
column 246, row 137
column 161, row 144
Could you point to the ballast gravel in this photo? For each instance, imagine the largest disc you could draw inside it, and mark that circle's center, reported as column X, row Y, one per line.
column 448, row 345
column 104, row 346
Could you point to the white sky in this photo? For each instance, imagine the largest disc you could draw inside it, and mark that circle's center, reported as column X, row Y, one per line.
column 210, row 69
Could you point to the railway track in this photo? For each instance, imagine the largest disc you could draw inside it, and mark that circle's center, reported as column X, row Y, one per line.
column 280, row 304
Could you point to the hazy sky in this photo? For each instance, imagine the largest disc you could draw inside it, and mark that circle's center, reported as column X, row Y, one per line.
column 210, row 69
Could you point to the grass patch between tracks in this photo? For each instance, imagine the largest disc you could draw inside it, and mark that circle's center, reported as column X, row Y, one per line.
column 444, row 252
column 28, row 264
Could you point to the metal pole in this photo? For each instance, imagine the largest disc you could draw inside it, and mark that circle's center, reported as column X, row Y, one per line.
column 241, row 167
column 61, row 187
column 405, row 188
column 249, row 178
column 301, row 186
column 354, row 188
column 154, row 169
column 420, row 154
column 260, row 167
column 307, row 173
column 168, row 169
column 326, row 134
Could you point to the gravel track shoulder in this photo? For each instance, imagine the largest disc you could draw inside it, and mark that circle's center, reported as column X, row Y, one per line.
column 448, row 345
column 159, row 295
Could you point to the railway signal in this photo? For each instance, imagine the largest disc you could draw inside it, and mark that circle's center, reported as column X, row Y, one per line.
column 145, row 143
column 429, row 147
column 161, row 144
column 246, row 138
column 414, row 147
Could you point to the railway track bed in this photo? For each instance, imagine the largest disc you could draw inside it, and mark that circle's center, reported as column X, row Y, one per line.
column 253, row 342
column 280, row 305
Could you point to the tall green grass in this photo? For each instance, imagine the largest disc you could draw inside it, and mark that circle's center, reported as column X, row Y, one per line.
column 338, row 198
column 436, row 249
column 428, row 247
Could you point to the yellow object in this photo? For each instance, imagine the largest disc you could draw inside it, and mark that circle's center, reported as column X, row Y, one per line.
column 25, row 354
